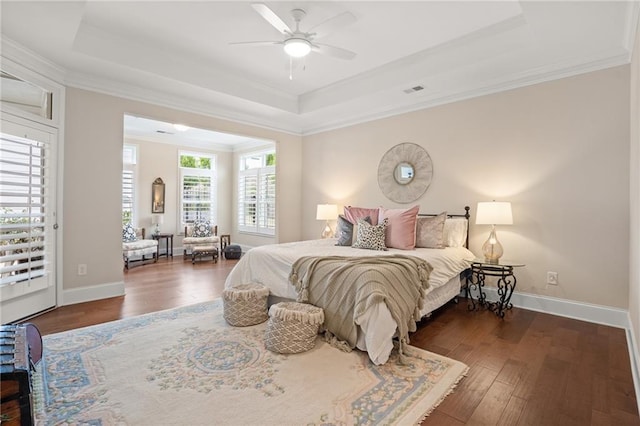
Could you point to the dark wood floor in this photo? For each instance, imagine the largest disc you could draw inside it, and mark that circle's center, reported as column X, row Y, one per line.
column 530, row 369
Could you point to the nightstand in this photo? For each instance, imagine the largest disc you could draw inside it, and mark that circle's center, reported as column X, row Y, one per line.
column 506, row 283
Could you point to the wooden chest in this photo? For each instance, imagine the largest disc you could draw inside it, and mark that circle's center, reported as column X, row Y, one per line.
column 16, row 365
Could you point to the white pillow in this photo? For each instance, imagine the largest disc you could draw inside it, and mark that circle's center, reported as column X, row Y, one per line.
column 455, row 231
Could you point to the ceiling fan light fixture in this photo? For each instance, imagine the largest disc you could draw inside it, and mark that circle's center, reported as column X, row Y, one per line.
column 297, row 47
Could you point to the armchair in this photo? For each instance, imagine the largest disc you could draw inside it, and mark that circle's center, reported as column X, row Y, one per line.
column 136, row 248
column 191, row 241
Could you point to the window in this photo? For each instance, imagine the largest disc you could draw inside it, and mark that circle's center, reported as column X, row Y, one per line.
column 197, row 187
column 24, row 244
column 129, row 161
column 257, row 193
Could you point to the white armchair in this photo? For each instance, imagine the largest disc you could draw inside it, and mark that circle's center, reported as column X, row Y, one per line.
column 139, row 250
column 190, row 240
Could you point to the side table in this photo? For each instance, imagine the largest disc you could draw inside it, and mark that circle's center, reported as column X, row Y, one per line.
column 506, row 283
column 168, row 243
column 225, row 240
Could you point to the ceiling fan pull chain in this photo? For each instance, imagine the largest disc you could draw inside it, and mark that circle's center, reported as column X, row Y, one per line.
column 290, row 68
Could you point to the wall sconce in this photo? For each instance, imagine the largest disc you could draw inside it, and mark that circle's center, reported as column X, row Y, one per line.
column 327, row 212
column 493, row 213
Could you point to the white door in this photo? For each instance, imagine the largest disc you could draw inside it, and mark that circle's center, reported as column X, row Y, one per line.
column 27, row 218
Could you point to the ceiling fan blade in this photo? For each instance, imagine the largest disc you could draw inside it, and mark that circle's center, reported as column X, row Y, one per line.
column 271, row 17
column 258, row 43
column 336, row 52
column 333, row 24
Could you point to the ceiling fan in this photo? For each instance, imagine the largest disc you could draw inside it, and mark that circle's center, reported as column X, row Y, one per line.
column 297, row 43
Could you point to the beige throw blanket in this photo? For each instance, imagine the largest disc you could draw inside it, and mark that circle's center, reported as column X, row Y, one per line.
column 345, row 287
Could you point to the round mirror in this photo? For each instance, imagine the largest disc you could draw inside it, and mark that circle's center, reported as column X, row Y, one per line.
column 404, row 173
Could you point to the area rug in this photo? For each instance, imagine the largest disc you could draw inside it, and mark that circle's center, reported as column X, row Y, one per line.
column 186, row 366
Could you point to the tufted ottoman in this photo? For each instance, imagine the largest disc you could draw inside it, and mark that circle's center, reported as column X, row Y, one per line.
column 245, row 304
column 200, row 251
column 293, row 327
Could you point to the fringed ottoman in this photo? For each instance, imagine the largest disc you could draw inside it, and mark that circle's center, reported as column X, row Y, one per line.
column 293, row 327
column 245, row 304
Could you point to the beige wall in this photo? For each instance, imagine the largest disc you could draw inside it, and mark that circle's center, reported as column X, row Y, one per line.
column 92, row 180
column 634, row 282
column 559, row 151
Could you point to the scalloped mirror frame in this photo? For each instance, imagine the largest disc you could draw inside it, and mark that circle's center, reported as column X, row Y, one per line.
column 419, row 159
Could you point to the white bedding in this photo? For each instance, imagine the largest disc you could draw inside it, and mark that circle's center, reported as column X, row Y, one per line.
column 270, row 265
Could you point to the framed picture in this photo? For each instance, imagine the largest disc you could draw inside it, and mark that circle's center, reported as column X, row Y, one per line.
column 157, row 196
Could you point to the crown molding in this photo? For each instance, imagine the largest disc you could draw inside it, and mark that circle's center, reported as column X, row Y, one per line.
column 31, row 60
column 631, row 27
column 215, row 108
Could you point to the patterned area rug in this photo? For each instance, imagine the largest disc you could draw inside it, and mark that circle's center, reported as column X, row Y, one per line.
column 187, row 366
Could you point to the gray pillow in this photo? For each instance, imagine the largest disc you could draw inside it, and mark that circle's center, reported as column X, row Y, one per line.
column 430, row 231
column 344, row 231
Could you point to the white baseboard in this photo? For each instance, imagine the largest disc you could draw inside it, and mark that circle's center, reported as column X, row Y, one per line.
column 96, row 292
column 634, row 356
column 598, row 314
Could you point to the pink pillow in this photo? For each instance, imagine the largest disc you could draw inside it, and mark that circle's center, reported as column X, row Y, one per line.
column 401, row 230
column 352, row 214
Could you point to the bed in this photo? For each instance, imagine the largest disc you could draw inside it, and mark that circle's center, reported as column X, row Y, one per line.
column 271, row 265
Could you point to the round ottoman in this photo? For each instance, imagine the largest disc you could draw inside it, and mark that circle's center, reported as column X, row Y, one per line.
column 293, row 327
column 245, row 304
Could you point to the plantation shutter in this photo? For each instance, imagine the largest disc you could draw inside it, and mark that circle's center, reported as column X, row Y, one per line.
column 196, row 198
column 127, row 196
column 129, row 161
column 267, row 208
column 247, row 196
column 257, row 200
column 24, row 244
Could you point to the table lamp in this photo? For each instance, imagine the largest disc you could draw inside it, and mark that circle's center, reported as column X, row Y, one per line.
column 157, row 220
column 327, row 212
column 493, row 213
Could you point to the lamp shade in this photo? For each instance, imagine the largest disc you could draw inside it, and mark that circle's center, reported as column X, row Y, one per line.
column 326, row 212
column 157, row 219
column 494, row 213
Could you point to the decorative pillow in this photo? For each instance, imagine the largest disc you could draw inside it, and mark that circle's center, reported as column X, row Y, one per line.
column 401, row 232
column 352, row 214
column 345, row 231
column 128, row 233
column 371, row 237
column 430, row 231
column 455, row 232
column 202, row 229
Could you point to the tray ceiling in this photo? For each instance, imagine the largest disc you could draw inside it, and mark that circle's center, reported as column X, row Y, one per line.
column 179, row 53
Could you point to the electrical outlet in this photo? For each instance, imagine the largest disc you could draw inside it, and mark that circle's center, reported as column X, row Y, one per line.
column 82, row 269
column 552, row 278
